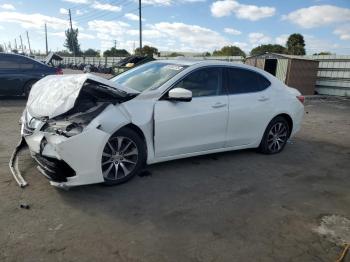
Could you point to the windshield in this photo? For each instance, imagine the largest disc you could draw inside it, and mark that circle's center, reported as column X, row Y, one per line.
column 150, row 75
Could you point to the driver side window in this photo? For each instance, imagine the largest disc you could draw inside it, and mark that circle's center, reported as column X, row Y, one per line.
column 203, row 82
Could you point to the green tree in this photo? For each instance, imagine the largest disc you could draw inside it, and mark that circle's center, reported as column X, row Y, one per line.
column 147, row 50
column 91, row 52
column 72, row 41
column 229, row 51
column 262, row 49
column 174, row 54
column 116, row 52
column 64, row 53
column 296, row 44
column 323, row 53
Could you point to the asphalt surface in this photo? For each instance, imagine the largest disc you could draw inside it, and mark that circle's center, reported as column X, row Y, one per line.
column 235, row 206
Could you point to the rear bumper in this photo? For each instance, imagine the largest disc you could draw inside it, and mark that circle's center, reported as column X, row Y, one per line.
column 68, row 162
column 298, row 117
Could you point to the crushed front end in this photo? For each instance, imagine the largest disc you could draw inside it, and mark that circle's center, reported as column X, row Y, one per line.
column 65, row 143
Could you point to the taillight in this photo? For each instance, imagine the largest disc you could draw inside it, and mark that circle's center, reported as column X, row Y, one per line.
column 59, row 71
column 301, row 99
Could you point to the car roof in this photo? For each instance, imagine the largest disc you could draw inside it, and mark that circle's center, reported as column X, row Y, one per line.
column 21, row 56
column 197, row 61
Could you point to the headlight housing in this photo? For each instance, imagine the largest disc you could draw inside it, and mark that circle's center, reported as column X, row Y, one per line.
column 64, row 128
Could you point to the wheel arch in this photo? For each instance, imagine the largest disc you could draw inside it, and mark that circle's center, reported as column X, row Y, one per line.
column 139, row 132
column 27, row 82
column 288, row 119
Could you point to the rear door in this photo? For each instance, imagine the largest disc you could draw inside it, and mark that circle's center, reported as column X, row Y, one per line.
column 10, row 75
column 250, row 106
column 195, row 126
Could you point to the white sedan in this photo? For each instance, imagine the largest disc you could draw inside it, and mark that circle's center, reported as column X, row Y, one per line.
column 83, row 129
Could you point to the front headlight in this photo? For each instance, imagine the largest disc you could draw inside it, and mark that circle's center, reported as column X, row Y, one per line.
column 64, row 128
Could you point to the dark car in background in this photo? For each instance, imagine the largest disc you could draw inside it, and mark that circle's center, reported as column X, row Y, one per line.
column 18, row 73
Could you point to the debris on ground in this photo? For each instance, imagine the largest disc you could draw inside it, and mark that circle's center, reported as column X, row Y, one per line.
column 24, row 206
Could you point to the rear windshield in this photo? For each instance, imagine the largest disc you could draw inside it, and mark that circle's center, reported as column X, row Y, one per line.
column 148, row 76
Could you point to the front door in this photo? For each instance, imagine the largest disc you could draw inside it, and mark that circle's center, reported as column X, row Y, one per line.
column 195, row 126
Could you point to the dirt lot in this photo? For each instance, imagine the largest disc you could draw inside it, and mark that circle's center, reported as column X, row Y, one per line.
column 236, row 206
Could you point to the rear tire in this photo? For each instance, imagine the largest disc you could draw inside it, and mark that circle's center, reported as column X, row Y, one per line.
column 123, row 157
column 275, row 136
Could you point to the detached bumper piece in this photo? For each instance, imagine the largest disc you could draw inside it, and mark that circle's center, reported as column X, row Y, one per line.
column 55, row 170
column 14, row 163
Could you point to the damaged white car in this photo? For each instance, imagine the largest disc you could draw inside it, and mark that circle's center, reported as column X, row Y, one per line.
column 83, row 129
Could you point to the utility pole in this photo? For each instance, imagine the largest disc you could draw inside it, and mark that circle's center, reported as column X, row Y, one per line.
column 140, row 22
column 15, row 44
column 30, row 50
column 20, row 37
column 71, row 29
column 47, row 47
column 115, row 44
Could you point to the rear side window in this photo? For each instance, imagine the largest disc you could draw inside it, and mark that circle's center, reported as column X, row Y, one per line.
column 240, row 81
column 9, row 62
column 26, row 63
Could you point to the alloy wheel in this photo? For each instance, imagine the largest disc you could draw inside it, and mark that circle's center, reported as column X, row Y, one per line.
column 277, row 137
column 119, row 158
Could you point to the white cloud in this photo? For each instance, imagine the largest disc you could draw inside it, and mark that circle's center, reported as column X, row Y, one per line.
column 64, row 11
column 34, row 20
column 319, row 15
column 84, row 36
column 193, row 36
column 259, row 39
column 232, row 31
column 133, row 17
column 343, row 32
column 316, row 45
column 81, row 36
column 157, row 2
column 148, row 33
column 59, row 34
column 77, row 1
column 112, row 28
column 106, row 7
column 7, row 7
column 282, row 39
column 242, row 11
column 80, row 12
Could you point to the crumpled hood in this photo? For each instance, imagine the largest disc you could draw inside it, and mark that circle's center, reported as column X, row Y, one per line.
column 56, row 94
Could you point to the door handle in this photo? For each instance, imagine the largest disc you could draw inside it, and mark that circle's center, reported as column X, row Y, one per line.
column 218, row 105
column 263, row 98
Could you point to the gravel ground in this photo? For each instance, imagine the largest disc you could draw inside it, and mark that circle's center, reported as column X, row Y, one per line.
column 235, row 206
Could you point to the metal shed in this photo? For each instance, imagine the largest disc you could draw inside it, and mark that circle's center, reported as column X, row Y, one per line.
column 295, row 71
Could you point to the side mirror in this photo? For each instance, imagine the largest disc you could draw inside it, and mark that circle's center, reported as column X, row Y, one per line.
column 180, row 94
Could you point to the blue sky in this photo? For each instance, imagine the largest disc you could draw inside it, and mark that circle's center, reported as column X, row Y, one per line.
column 179, row 25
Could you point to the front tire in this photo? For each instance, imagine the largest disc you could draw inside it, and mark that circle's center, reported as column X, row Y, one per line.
column 123, row 157
column 275, row 136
